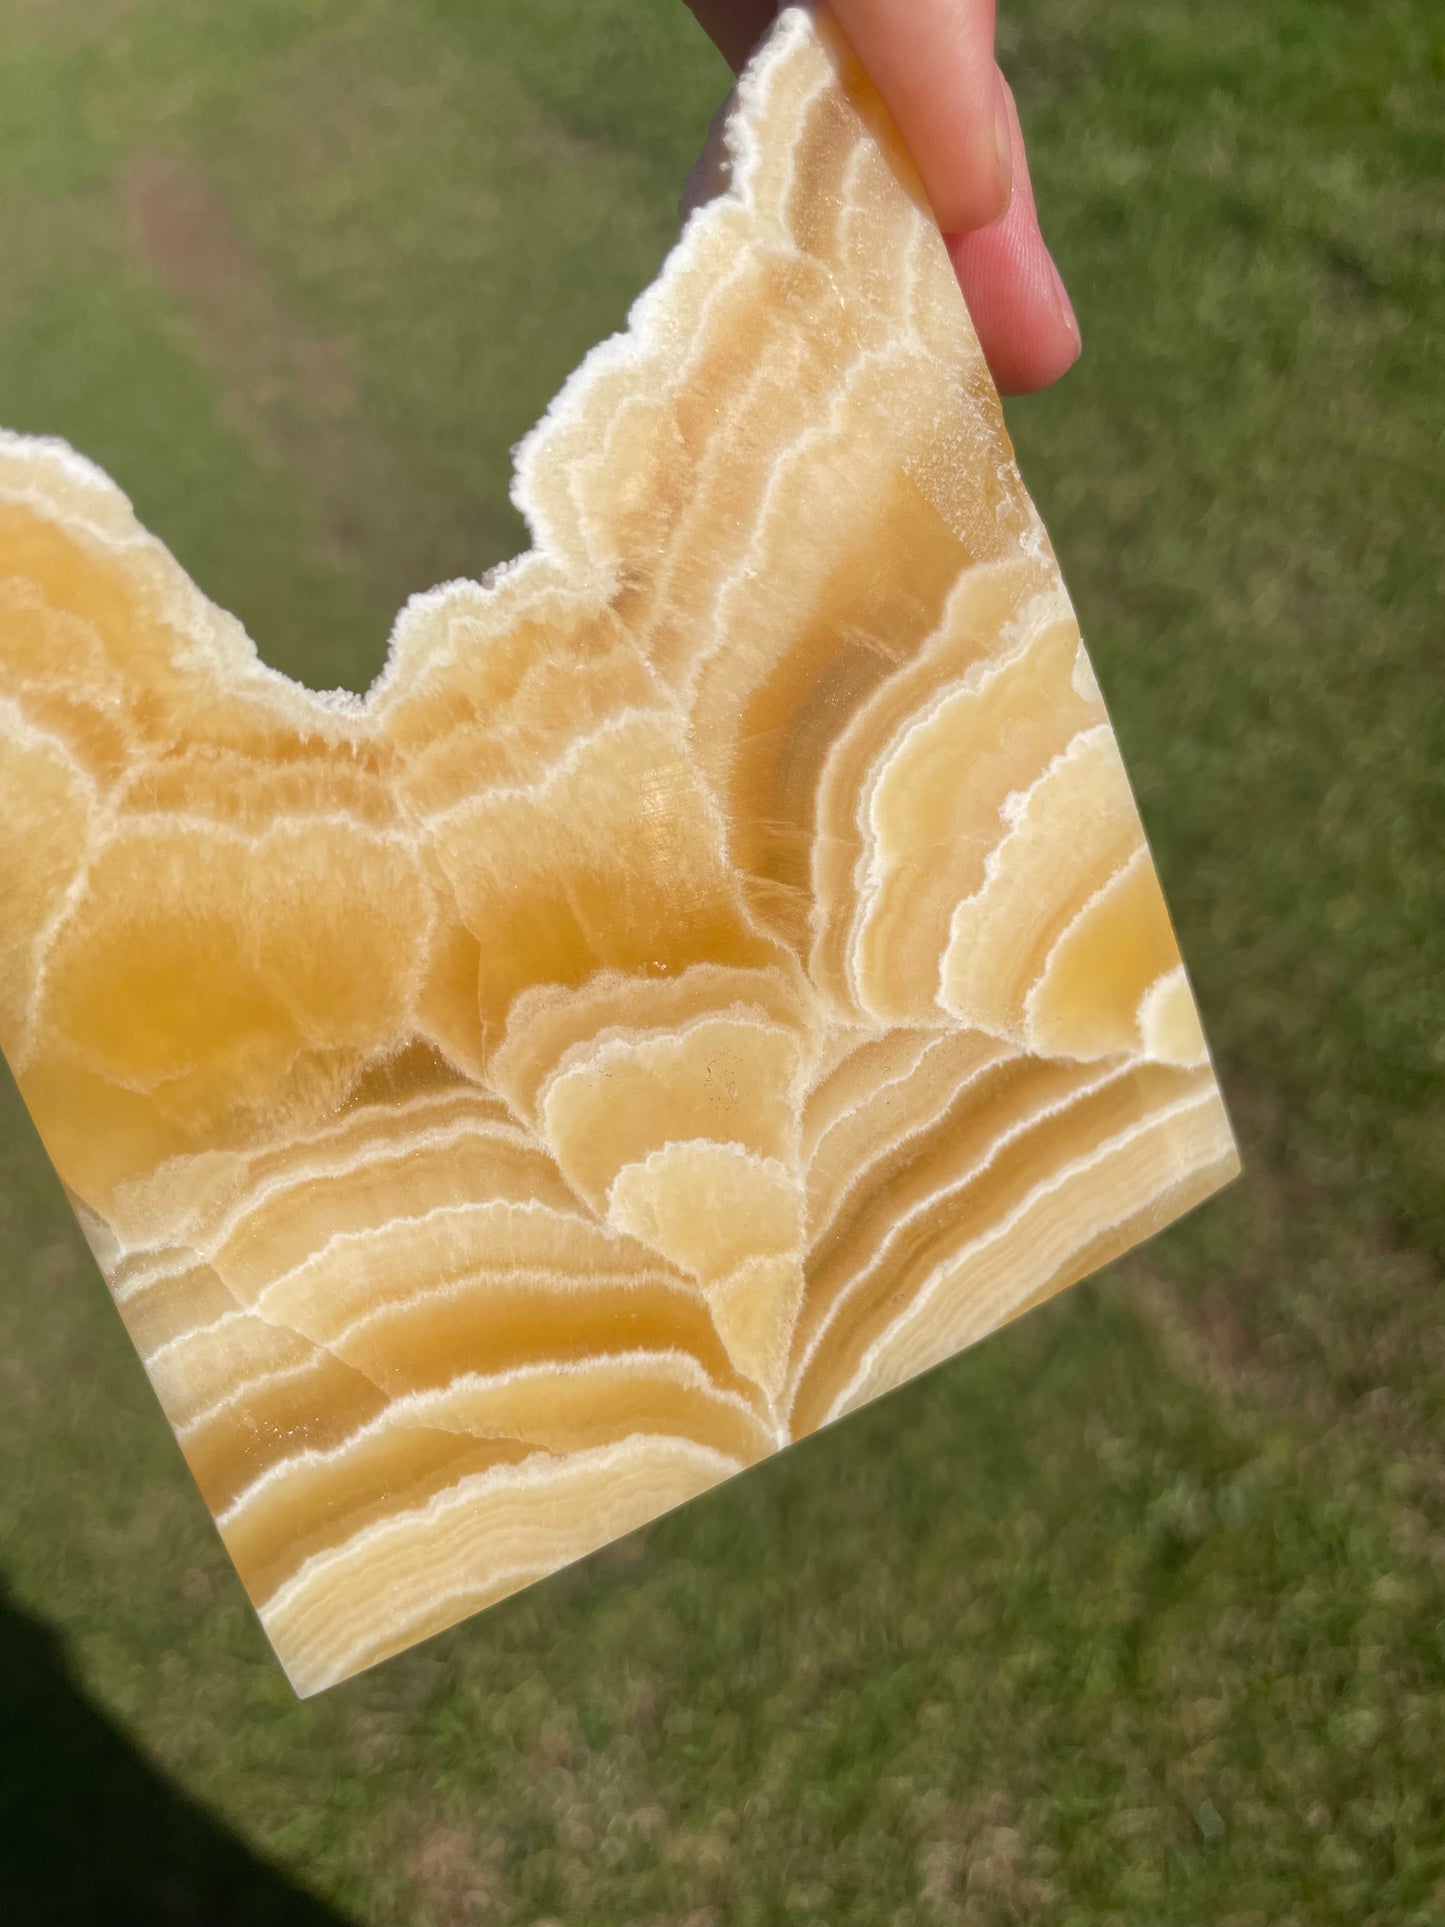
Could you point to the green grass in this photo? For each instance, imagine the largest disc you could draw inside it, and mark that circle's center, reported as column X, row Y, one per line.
column 1134, row 1614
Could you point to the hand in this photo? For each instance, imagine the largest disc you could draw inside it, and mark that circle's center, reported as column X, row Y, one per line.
column 933, row 63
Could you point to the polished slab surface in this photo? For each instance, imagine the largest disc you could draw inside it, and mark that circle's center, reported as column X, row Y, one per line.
column 715, row 974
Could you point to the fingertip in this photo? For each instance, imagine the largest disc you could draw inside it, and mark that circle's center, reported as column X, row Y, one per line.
column 1066, row 310
column 1024, row 320
column 932, row 62
column 1003, row 119
column 980, row 194
column 1020, row 308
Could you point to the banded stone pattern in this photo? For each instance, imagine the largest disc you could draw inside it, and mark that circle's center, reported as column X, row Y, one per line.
column 716, row 973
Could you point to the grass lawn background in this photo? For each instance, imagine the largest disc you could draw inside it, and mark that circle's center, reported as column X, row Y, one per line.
column 1136, row 1614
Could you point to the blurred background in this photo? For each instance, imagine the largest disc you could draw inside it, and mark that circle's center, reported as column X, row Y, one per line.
column 1134, row 1614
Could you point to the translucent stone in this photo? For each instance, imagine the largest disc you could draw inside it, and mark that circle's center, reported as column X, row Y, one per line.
column 715, row 974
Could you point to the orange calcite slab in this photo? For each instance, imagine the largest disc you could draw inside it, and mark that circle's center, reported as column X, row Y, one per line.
column 715, row 974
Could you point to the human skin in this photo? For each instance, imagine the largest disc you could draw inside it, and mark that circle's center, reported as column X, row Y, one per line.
column 933, row 63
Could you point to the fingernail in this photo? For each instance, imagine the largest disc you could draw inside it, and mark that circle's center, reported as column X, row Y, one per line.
column 1003, row 142
column 1066, row 307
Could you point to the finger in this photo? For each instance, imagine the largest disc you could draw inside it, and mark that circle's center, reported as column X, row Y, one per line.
column 1024, row 318
column 932, row 62
column 1023, row 315
column 734, row 26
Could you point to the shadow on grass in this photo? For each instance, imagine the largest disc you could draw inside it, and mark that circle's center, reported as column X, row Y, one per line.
column 91, row 1835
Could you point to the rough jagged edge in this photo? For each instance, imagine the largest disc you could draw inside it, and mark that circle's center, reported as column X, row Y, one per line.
column 75, row 492
column 106, row 514
column 644, row 326
column 630, row 347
